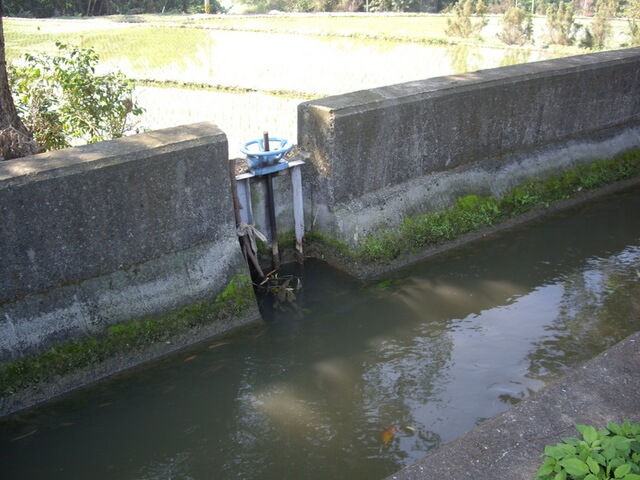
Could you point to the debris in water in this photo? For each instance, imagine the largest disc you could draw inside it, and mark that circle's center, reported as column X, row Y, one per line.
column 105, row 404
column 218, row 344
column 389, row 433
column 24, row 436
column 188, row 359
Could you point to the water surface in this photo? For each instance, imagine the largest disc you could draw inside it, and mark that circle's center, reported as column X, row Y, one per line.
column 439, row 347
column 288, row 62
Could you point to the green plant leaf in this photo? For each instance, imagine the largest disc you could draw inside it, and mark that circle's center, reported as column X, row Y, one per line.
column 613, row 428
column 632, row 476
column 593, row 465
column 590, row 435
column 574, row 466
column 622, row 470
column 561, row 475
column 621, row 443
column 546, row 468
column 571, row 440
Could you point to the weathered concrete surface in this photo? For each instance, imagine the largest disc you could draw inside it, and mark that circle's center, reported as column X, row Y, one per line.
column 376, row 271
column 101, row 234
column 383, row 154
column 509, row 446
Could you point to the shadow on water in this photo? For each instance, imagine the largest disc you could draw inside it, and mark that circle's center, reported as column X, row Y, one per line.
column 357, row 381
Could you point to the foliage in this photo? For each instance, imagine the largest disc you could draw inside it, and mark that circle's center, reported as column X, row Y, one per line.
column 140, row 333
column 474, row 212
column 50, row 8
column 63, row 101
column 600, row 29
column 634, row 33
column 612, row 452
column 517, row 27
column 462, row 24
column 561, row 25
column 632, row 9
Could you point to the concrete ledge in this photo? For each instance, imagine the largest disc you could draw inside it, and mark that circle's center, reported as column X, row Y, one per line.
column 383, row 154
column 510, row 445
column 105, row 233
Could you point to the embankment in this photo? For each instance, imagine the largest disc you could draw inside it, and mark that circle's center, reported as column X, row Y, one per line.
column 379, row 156
column 98, row 236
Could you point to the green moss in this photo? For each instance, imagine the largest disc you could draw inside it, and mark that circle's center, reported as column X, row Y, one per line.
column 473, row 212
column 64, row 359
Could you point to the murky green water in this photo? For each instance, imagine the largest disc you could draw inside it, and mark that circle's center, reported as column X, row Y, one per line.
column 440, row 347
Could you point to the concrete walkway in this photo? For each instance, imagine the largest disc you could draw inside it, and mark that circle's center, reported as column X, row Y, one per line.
column 509, row 446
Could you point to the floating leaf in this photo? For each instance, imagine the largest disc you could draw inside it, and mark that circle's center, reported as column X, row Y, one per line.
column 388, row 434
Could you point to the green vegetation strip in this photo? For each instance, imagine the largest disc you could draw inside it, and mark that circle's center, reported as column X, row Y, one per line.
column 225, row 89
column 473, row 212
column 138, row 334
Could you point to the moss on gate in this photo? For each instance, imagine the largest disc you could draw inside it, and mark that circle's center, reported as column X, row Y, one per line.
column 137, row 334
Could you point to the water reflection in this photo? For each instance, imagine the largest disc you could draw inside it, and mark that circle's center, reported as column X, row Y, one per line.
column 322, row 65
column 425, row 356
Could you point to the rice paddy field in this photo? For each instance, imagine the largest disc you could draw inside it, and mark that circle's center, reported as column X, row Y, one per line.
column 248, row 73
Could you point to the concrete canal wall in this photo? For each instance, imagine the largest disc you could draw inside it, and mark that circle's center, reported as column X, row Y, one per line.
column 101, row 234
column 105, row 233
column 380, row 155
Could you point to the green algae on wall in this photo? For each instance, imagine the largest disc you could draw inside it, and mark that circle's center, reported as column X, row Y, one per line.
column 473, row 212
column 138, row 334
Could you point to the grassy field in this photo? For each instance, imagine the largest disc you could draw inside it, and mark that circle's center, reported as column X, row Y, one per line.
column 141, row 35
column 246, row 61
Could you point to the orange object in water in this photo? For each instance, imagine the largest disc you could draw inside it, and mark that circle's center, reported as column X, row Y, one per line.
column 388, row 434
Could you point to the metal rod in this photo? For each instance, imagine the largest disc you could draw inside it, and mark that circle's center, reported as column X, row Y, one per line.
column 244, row 240
column 272, row 220
column 298, row 211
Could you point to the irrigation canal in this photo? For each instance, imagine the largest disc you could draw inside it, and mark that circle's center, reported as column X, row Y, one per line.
column 357, row 381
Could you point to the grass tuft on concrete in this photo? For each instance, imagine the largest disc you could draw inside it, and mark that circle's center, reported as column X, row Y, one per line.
column 474, row 212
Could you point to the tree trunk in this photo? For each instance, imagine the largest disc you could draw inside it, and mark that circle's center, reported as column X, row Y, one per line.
column 15, row 140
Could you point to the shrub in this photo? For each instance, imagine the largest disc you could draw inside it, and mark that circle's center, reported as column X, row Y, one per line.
column 634, row 33
column 462, row 24
column 601, row 25
column 561, row 25
column 517, row 27
column 612, row 452
column 63, row 101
